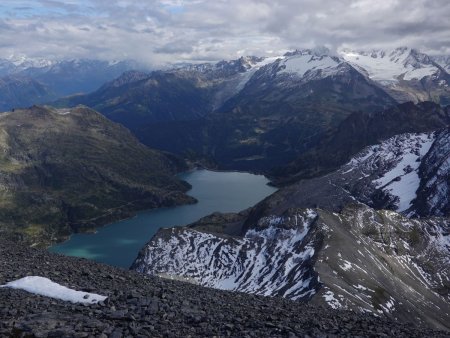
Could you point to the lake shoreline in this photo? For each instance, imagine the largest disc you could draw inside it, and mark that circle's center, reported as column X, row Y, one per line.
column 119, row 242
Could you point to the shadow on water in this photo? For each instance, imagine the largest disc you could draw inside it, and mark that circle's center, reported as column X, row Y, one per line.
column 119, row 243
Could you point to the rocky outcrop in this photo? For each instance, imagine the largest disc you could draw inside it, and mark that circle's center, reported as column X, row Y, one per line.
column 275, row 258
column 145, row 306
column 360, row 259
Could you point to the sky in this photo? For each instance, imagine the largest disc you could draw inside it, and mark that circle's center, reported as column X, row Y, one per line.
column 158, row 32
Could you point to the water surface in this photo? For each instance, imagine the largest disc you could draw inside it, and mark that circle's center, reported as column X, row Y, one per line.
column 119, row 243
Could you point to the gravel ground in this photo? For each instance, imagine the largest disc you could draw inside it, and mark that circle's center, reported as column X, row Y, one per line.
column 143, row 306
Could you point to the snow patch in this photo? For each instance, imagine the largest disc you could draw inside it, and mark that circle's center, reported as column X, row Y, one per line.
column 45, row 287
column 347, row 266
column 332, row 301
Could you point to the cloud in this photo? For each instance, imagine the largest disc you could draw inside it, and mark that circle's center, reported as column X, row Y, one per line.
column 165, row 31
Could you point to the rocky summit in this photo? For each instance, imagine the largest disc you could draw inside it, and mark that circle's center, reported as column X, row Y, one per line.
column 146, row 306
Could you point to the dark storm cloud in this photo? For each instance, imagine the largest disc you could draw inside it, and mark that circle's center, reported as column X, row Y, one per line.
column 181, row 30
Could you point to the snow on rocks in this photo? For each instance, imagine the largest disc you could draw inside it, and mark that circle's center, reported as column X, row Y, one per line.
column 331, row 300
column 271, row 259
column 402, row 181
column 392, row 167
column 303, row 63
column 45, row 287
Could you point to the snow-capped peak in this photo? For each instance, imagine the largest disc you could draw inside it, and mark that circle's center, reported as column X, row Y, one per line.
column 391, row 65
column 303, row 62
column 316, row 51
column 23, row 62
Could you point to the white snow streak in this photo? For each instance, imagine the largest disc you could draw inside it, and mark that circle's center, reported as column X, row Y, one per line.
column 45, row 287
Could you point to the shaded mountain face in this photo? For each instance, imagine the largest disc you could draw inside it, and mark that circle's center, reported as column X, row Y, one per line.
column 137, row 99
column 348, row 240
column 358, row 131
column 19, row 91
column 185, row 93
column 69, row 170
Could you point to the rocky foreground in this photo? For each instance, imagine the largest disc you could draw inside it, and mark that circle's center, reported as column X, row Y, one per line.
column 139, row 305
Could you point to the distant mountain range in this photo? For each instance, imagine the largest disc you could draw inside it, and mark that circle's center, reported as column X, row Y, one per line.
column 257, row 113
column 35, row 81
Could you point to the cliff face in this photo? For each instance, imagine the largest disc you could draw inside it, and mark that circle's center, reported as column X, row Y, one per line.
column 146, row 306
column 69, row 170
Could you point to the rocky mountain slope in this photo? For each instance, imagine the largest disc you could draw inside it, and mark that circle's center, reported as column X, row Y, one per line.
column 346, row 240
column 145, row 306
column 360, row 259
column 69, row 170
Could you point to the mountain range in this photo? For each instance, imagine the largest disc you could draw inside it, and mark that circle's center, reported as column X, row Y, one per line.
column 25, row 81
column 257, row 113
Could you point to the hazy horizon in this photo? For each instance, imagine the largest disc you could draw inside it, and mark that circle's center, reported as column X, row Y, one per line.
column 170, row 31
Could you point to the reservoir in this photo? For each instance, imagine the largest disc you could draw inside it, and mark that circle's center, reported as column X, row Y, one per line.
column 119, row 243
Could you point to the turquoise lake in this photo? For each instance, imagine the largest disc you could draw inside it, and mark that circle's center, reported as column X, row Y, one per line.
column 119, row 243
